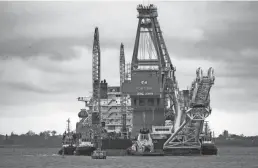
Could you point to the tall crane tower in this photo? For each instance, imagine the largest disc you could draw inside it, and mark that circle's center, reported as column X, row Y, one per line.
column 123, row 96
column 153, row 86
column 96, row 111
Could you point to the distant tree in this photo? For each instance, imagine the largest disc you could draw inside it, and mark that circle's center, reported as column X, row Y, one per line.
column 48, row 132
column 30, row 133
column 13, row 134
column 234, row 136
column 45, row 134
column 53, row 133
column 41, row 134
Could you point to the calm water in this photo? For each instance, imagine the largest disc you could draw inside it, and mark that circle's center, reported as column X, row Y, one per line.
column 46, row 158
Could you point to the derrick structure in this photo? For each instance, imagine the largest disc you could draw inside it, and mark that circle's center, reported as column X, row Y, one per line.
column 96, row 65
column 153, row 87
column 123, row 96
column 96, row 110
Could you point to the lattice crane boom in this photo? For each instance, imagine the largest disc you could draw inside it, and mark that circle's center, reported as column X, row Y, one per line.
column 123, row 96
column 96, row 87
column 96, row 64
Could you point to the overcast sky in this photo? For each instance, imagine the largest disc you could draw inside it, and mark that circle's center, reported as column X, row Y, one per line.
column 45, row 50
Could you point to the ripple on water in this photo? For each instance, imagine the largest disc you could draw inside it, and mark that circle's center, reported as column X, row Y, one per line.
column 46, row 158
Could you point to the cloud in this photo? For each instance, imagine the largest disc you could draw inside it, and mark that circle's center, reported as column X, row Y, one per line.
column 219, row 120
column 46, row 53
column 39, row 28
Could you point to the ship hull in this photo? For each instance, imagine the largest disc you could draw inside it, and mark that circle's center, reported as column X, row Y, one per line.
column 177, row 151
column 183, row 151
column 158, row 144
column 69, row 150
column 121, row 147
column 84, row 150
column 209, row 149
column 116, row 147
column 205, row 149
column 117, row 144
column 133, row 153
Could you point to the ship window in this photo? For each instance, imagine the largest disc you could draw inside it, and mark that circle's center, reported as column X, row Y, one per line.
column 162, row 129
column 141, row 102
column 150, row 102
column 144, row 136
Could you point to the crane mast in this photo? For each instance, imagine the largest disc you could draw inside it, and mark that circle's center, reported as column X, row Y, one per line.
column 96, row 65
column 151, row 58
column 123, row 96
column 96, row 111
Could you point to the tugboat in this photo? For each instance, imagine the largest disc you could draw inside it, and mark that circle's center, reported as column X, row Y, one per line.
column 69, row 142
column 143, row 145
column 99, row 154
column 85, row 147
column 208, row 146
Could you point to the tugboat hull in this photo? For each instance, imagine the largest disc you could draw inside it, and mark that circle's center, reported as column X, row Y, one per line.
column 209, row 149
column 134, row 153
column 86, row 151
column 98, row 154
column 182, row 151
column 69, row 150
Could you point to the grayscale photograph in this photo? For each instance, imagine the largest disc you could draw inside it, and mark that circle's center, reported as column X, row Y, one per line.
column 111, row 84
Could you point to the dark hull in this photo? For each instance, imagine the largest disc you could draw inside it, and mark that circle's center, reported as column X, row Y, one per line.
column 86, row 151
column 116, row 143
column 209, row 149
column 113, row 147
column 146, row 154
column 158, row 147
column 205, row 149
column 182, row 151
column 67, row 150
column 158, row 144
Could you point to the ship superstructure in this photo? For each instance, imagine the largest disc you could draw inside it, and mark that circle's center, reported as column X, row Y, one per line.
column 111, row 113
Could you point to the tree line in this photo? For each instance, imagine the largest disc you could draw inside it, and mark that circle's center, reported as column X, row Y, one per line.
column 48, row 138
column 46, row 133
